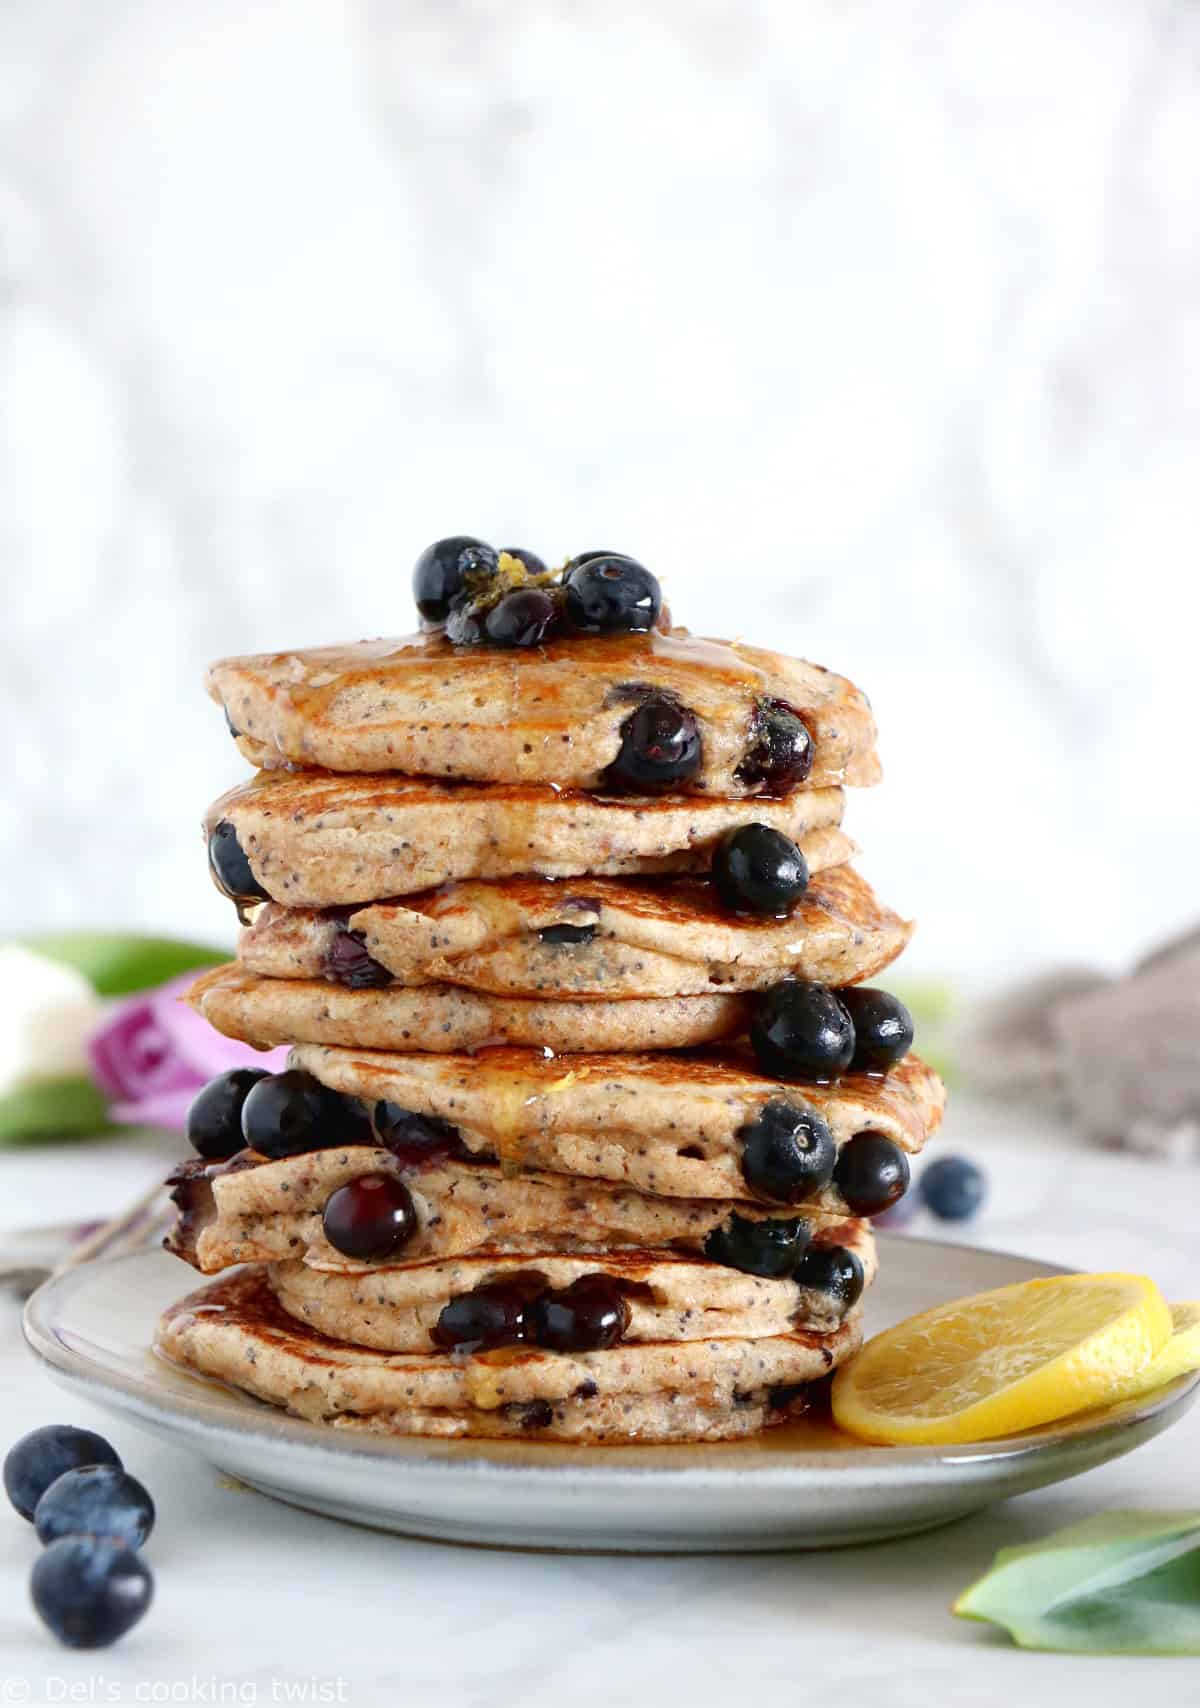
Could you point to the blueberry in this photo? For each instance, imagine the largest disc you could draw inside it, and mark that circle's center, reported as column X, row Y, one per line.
column 953, row 1187
column 883, row 1028
column 586, row 557
column 592, row 1312
column 230, row 868
column 660, row 746
column 611, row 594
column 416, row 1138
column 464, row 625
column 490, row 1315
column 95, row 1500
column 525, row 617
column 291, row 1112
column 534, row 565
column 834, row 1270
column 370, row 1218
column 780, row 753
column 771, row 1248
column 566, row 933
column 759, row 870
column 801, row 1031
column 788, row 1152
column 214, row 1120
column 347, row 962
column 40, row 1457
column 447, row 571
column 871, row 1174
column 90, row 1592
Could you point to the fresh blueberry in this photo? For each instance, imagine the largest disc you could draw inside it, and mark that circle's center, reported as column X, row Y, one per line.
column 214, row 1120
column 566, row 933
column 490, row 1315
column 586, row 557
column 801, row 1031
column 95, row 1500
column 759, row 870
column 89, row 1591
column 871, row 1173
column 660, row 746
column 447, row 571
column 230, row 868
column 291, row 1112
column 613, row 594
column 780, row 753
column 592, row 1312
column 788, row 1152
column 525, row 617
column 370, row 1218
column 771, row 1248
column 953, row 1187
column 41, row 1457
column 834, row 1270
column 464, row 625
column 533, row 563
column 414, row 1138
column 883, row 1027
column 347, row 962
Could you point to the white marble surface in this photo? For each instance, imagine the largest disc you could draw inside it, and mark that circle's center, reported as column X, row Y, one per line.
column 268, row 1604
column 872, row 327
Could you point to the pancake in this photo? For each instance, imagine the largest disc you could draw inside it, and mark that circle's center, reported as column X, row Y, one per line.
column 266, row 1012
column 234, row 1330
column 668, row 1125
column 396, row 1308
column 604, row 937
column 252, row 1210
column 314, row 840
column 548, row 715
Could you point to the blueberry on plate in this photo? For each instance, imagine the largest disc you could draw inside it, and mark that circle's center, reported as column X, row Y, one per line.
column 214, row 1119
column 291, row 1112
column 835, row 1270
column 611, row 594
column 788, row 1152
column 447, row 571
column 801, row 1030
column 95, row 1500
column 771, row 1248
column 780, row 752
column 883, row 1027
column 90, row 1590
column 660, row 746
column 230, row 868
column 953, row 1188
column 41, row 1457
column 871, row 1174
column 525, row 617
column 371, row 1218
column 759, row 870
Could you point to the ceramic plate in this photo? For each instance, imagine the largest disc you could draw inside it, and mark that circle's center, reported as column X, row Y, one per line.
column 802, row 1485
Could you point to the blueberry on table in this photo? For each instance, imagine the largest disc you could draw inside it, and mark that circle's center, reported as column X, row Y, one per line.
column 447, row 571
column 953, row 1188
column 591, row 1313
column 835, row 1270
column 41, row 1457
column 611, row 594
column 525, row 617
column 759, row 870
column 660, row 746
column 230, row 868
column 214, row 1119
column 871, row 1174
column 769, row 1248
column 788, row 1152
column 370, row 1218
column 780, row 752
column 95, row 1500
column 291, row 1112
column 883, row 1027
column 801, row 1030
column 90, row 1590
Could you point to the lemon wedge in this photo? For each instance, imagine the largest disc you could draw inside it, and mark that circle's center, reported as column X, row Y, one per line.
column 1180, row 1355
column 1003, row 1361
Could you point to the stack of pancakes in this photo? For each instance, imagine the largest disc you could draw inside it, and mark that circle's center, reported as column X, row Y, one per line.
column 520, row 1011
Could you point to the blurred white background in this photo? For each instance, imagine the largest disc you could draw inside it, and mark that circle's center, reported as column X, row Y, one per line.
column 874, row 329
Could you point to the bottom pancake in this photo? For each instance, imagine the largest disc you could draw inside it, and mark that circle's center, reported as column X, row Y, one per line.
column 234, row 1330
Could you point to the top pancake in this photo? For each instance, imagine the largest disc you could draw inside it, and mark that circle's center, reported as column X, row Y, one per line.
column 550, row 715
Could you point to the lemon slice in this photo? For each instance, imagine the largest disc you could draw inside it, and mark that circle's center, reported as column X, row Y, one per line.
column 1003, row 1361
column 1180, row 1355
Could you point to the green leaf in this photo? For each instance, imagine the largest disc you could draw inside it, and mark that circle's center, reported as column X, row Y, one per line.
column 117, row 964
column 54, row 1109
column 1123, row 1583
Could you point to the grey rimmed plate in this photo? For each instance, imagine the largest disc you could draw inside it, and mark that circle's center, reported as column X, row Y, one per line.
column 800, row 1486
